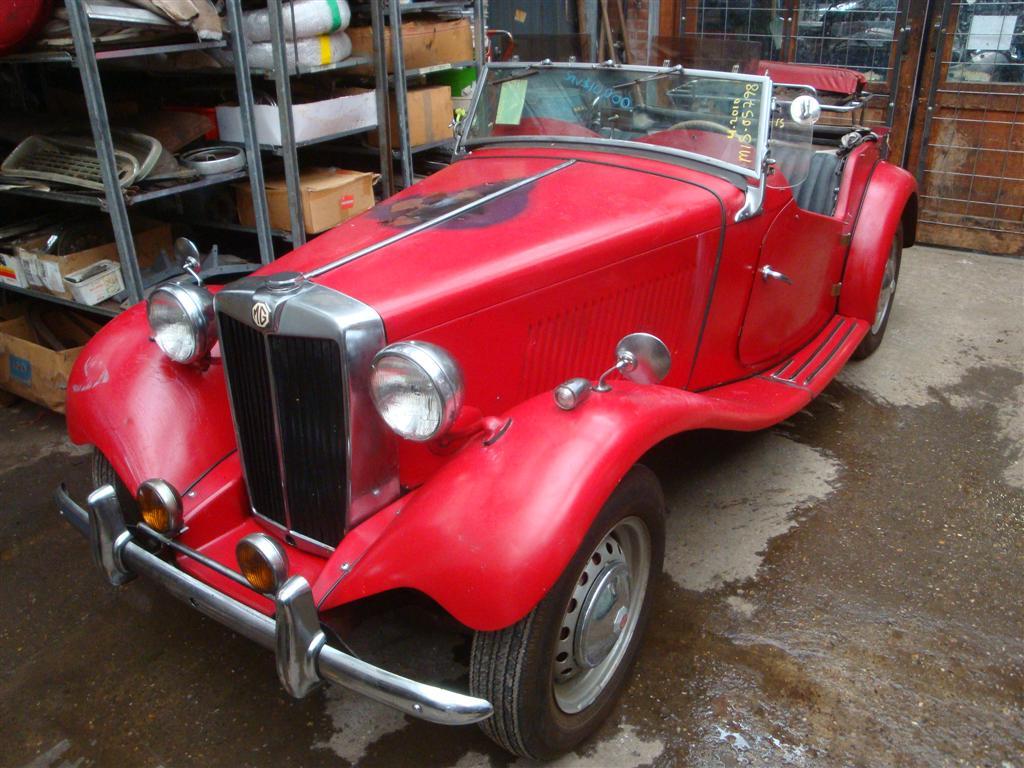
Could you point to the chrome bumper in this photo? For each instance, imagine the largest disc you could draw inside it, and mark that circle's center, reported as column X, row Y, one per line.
column 304, row 660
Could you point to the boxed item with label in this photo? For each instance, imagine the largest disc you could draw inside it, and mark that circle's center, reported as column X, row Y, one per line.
column 425, row 43
column 31, row 369
column 355, row 108
column 12, row 271
column 48, row 270
column 430, row 117
column 95, row 283
column 329, row 196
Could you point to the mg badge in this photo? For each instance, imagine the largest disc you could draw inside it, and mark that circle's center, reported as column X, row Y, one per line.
column 260, row 314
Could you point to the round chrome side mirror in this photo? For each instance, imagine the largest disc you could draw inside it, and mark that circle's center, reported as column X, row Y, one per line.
column 805, row 110
column 187, row 254
column 647, row 359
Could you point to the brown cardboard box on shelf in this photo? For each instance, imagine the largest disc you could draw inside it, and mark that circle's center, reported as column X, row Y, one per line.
column 32, row 370
column 329, row 196
column 430, row 117
column 46, row 271
column 425, row 43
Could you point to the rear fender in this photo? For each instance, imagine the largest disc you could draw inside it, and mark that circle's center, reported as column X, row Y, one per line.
column 494, row 528
column 150, row 416
column 890, row 199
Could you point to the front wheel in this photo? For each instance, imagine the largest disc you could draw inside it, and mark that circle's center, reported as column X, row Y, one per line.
column 554, row 676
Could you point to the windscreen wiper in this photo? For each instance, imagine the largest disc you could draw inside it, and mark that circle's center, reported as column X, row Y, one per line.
column 676, row 70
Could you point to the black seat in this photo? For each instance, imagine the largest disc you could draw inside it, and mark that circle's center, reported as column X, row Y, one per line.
column 820, row 172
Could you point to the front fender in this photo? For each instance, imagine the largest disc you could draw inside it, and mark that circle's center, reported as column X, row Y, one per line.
column 148, row 415
column 890, row 199
column 493, row 529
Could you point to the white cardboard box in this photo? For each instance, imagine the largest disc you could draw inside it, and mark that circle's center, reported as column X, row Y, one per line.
column 349, row 112
column 12, row 271
column 95, row 283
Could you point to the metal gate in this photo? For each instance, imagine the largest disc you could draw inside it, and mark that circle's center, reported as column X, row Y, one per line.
column 870, row 36
column 968, row 145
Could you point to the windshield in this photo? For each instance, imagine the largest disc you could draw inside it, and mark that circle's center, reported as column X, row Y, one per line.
column 718, row 117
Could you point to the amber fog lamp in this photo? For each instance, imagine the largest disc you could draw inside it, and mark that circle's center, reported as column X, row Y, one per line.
column 263, row 562
column 160, row 507
column 182, row 320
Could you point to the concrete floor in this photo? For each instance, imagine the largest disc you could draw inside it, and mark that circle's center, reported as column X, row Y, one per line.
column 842, row 590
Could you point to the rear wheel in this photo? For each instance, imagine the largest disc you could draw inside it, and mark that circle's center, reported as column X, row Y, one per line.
column 886, row 295
column 554, row 676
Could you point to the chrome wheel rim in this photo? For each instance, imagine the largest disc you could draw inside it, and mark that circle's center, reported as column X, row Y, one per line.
column 602, row 615
column 887, row 290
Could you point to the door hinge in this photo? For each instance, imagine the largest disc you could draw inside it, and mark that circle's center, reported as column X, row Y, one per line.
column 836, row 288
column 845, row 239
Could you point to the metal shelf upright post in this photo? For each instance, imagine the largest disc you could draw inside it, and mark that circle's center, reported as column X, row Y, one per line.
column 401, row 75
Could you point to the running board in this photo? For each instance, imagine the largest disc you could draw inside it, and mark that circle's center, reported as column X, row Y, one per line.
column 826, row 354
column 784, row 389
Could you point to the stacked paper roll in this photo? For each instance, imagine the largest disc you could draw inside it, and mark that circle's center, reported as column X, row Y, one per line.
column 302, row 19
column 308, row 51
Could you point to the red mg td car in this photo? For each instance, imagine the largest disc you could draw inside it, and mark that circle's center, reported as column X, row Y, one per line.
column 451, row 393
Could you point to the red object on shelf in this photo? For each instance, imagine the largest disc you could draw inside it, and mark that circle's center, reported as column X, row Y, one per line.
column 20, row 20
column 847, row 82
column 210, row 112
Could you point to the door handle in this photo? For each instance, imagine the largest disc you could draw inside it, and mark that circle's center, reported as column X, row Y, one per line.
column 767, row 273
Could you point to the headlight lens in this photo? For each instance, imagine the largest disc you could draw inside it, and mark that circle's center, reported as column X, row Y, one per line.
column 417, row 388
column 182, row 321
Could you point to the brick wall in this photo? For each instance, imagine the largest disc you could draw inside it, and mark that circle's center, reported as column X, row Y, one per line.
column 636, row 27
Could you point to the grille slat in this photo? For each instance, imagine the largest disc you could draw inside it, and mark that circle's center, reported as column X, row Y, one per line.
column 308, row 379
column 308, row 384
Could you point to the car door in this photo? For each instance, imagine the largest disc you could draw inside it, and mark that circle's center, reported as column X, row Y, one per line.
column 794, row 286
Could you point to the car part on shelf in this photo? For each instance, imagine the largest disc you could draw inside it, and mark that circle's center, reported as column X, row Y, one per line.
column 211, row 161
column 66, row 162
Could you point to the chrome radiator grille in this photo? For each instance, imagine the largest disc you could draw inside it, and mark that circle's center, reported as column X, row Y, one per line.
column 288, row 401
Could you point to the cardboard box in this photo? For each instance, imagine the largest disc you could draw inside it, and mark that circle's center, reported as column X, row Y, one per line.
column 33, row 371
column 425, row 43
column 355, row 108
column 47, row 272
column 12, row 271
column 430, row 117
column 329, row 196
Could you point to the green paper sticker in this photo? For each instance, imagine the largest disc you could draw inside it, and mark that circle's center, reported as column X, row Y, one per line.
column 511, row 102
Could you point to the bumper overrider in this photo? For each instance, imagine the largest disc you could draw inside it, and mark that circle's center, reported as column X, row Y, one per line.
column 304, row 660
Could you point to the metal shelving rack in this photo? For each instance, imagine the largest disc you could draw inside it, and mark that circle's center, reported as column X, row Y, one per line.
column 116, row 201
column 400, row 77
column 281, row 75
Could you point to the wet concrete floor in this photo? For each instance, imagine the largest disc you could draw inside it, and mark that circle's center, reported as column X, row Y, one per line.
column 842, row 590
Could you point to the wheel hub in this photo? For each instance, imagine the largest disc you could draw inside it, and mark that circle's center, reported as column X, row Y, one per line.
column 604, row 615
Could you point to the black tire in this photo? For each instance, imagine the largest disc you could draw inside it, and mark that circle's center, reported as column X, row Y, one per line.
column 873, row 340
column 514, row 668
column 103, row 474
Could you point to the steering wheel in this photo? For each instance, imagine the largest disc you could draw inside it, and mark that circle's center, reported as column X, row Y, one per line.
column 702, row 125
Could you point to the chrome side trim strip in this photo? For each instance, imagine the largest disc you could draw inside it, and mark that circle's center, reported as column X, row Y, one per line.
column 439, row 220
column 304, row 660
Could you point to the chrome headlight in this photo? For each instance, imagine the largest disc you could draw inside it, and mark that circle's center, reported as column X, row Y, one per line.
column 181, row 318
column 417, row 388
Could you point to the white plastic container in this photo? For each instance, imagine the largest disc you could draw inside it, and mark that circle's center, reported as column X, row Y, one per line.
column 311, row 18
column 95, row 283
column 351, row 111
column 310, row 51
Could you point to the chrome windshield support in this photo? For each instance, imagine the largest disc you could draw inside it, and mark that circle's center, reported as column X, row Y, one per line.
column 304, row 659
column 753, row 201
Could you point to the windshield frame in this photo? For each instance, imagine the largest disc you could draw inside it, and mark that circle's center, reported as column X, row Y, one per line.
column 755, row 173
